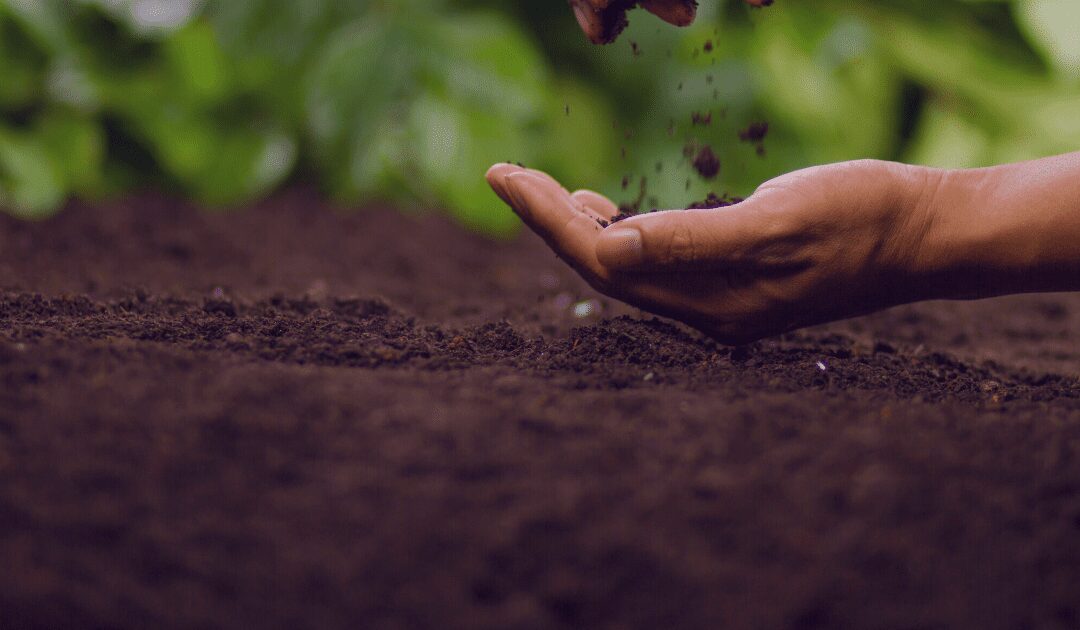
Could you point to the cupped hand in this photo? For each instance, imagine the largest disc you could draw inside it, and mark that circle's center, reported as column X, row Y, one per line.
column 815, row 245
column 603, row 20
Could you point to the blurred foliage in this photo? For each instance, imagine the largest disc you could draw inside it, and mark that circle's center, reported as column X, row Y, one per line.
column 409, row 101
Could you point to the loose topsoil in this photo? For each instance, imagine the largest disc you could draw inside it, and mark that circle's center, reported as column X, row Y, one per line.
column 296, row 417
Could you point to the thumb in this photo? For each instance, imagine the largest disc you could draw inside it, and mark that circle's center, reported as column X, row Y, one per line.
column 686, row 238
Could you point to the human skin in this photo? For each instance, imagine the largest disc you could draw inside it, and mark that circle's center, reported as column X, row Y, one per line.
column 597, row 17
column 820, row 244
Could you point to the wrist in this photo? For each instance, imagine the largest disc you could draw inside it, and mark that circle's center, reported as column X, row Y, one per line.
column 929, row 234
column 993, row 231
column 959, row 252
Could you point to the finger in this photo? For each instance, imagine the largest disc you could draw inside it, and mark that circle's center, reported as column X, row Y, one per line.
column 666, row 241
column 549, row 210
column 495, row 176
column 677, row 12
column 602, row 20
column 590, row 19
column 760, row 3
column 596, row 203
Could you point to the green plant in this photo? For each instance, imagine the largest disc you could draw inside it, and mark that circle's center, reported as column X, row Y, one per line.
column 408, row 101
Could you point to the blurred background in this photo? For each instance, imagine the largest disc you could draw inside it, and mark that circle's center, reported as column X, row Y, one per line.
column 409, row 101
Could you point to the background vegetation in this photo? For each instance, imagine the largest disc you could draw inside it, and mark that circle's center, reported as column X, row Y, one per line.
column 410, row 100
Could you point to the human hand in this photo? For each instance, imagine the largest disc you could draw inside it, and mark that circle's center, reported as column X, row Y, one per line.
column 603, row 20
column 815, row 245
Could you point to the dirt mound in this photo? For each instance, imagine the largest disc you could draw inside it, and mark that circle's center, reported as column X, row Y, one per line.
column 301, row 417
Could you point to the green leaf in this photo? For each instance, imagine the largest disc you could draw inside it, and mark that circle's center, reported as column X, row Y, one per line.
column 834, row 88
column 946, row 138
column 1051, row 26
column 453, row 150
column 149, row 18
column 466, row 58
column 198, row 64
column 31, row 185
column 577, row 143
column 22, row 67
column 77, row 147
column 354, row 98
column 246, row 163
column 46, row 22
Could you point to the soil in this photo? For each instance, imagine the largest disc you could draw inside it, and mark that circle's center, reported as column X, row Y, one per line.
column 755, row 134
column 712, row 200
column 706, row 163
column 294, row 416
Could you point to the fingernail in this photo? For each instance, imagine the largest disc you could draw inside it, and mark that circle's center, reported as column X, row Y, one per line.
column 620, row 247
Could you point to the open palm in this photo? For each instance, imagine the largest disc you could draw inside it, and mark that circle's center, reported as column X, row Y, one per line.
column 811, row 246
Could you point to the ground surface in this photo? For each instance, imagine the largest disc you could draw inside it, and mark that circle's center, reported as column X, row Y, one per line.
column 291, row 417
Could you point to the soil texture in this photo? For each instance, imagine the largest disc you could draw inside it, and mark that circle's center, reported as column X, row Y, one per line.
column 294, row 416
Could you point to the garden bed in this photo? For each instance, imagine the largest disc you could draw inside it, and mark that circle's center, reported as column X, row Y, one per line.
column 292, row 416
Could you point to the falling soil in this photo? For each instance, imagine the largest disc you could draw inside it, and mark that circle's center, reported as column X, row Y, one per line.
column 755, row 134
column 298, row 417
column 706, row 163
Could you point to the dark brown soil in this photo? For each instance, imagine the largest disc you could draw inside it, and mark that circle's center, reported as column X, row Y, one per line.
column 292, row 417
column 712, row 200
column 706, row 163
column 755, row 134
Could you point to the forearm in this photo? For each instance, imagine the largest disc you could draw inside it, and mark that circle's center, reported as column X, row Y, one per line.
column 1006, row 229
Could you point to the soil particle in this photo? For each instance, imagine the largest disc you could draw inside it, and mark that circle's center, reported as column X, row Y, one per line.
column 634, row 206
column 706, row 163
column 755, row 134
column 715, row 201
